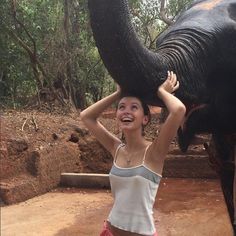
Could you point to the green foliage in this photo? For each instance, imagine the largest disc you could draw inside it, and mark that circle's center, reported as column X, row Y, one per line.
column 15, row 77
column 175, row 7
column 147, row 22
column 41, row 45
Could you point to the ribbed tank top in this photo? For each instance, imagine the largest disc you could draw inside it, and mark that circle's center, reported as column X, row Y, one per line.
column 134, row 190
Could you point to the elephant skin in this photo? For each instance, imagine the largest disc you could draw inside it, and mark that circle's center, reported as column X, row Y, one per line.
column 200, row 47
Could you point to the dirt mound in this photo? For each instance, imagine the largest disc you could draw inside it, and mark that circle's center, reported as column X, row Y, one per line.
column 37, row 147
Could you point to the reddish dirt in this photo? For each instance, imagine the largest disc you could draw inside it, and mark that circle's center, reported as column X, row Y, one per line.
column 36, row 147
column 199, row 211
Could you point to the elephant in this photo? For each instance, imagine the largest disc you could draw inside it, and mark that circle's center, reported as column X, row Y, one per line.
column 200, row 47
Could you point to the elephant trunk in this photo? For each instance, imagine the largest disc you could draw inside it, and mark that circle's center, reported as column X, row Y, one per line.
column 136, row 69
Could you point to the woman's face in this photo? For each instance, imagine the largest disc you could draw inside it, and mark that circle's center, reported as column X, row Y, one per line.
column 130, row 115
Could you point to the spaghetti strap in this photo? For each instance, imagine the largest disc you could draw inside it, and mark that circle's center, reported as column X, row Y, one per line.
column 118, row 148
column 144, row 156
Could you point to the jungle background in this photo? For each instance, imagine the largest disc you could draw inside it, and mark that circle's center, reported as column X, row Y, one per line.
column 48, row 55
column 50, row 70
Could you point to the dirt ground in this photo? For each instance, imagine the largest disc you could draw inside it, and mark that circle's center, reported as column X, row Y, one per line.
column 200, row 211
column 36, row 147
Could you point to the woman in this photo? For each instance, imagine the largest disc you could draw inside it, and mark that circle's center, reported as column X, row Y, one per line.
column 137, row 164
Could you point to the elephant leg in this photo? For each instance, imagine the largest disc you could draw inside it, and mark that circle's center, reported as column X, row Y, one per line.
column 199, row 121
column 225, row 146
column 234, row 187
column 222, row 155
column 227, row 185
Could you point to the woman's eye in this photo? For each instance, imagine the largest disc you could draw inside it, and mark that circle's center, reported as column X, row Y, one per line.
column 134, row 107
column 121, row 107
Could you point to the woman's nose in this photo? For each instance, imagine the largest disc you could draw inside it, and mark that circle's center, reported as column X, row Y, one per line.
column 126, row 111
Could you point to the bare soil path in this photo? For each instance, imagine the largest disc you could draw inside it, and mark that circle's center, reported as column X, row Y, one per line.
column 183, row 207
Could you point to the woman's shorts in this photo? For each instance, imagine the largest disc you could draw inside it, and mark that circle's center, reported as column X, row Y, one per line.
column 107, row 232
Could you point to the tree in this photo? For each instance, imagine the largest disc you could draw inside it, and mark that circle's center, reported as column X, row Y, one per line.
column 48, row 50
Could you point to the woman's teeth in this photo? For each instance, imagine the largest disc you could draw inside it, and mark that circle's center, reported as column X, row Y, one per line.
column 126, row 119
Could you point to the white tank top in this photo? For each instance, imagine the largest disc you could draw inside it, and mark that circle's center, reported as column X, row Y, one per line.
column 134, row 190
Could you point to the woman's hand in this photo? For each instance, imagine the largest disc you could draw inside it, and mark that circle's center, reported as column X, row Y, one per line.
column 118, row 88
column 170, row 85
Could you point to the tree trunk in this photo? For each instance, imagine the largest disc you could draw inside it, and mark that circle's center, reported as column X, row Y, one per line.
column 163, row 14
column 72, row 30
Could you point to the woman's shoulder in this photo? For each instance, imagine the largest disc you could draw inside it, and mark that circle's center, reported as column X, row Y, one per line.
column 117, row 146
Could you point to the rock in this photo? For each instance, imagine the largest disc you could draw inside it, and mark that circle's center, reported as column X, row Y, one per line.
column 82, row 132
column 74, row 138
column 16, row 146
column 33, row 163
column 55, row 136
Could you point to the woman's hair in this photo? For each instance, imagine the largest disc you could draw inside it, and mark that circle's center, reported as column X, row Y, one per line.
column 146, row 109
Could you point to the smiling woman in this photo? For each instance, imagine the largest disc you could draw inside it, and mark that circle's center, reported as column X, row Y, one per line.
column 130, row 108
column 137, row 163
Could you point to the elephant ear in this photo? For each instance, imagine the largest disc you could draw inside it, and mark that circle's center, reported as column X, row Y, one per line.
column 131, row 65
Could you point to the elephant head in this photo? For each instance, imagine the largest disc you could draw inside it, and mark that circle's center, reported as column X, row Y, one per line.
column 200, row 47
column 185, row 50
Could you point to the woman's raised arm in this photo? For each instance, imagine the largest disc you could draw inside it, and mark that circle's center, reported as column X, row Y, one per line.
column 176, row 109
column 90, row 118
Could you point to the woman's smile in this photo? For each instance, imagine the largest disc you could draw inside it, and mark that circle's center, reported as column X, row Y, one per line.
column 127, row 119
